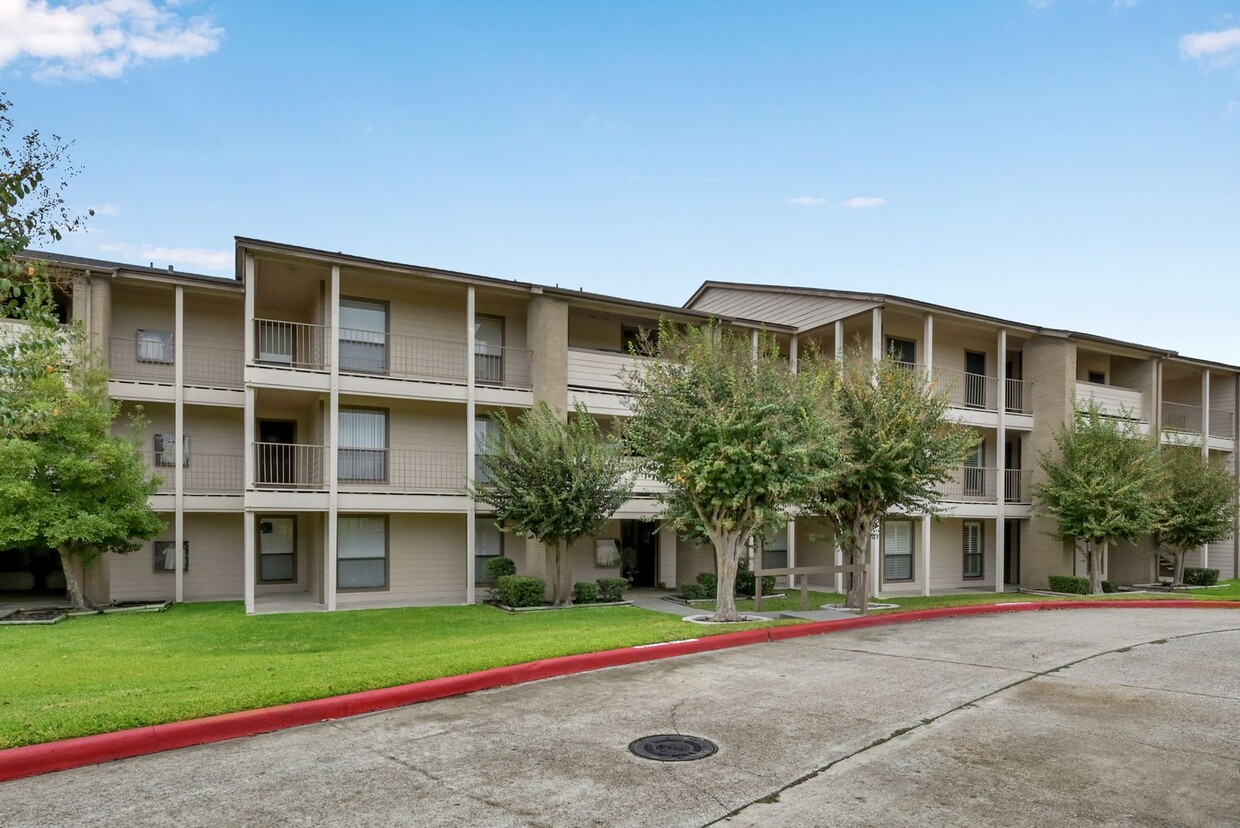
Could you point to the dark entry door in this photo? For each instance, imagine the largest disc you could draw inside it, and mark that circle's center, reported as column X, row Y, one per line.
column 639, row 544
column 974, row 379
column 276, row 461
column 1011, row 552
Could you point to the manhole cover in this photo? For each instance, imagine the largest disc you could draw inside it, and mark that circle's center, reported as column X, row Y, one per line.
column 671, row 747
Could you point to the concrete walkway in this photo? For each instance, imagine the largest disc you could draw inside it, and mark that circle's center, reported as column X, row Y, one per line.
column 1083, row 717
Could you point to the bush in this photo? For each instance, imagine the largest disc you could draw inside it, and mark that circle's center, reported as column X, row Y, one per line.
column 585, row 592
column 1197, row 576
column 709, row 583
column 1110, row 586
column 745, row 580
column 611, row 589
column 497, row 568
column 520, row 590
column 1069, row 583
column 692, row 592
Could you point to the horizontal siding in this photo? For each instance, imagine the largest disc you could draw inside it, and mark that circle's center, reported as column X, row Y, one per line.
column 415, row 307
column 427, row 561
column 216, row 563
column 803, row 312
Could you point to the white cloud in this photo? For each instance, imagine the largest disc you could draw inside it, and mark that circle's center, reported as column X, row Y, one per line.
column 106, row 209
column 187, row 258
column 864, row 201
column 808, row 201
column 1219, row 47
column 1040, row 4
column 99, row 38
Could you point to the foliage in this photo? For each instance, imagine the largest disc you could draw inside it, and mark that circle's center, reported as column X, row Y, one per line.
column 733, row 433
column 745, row 580
column 709, row 583
column 693, row 592
column 1200, row 576
column 1195, row 501
column 899, row 446
column 611, row 589
column 1110, row 587
column 554, row 480
column 520, row 590
column 585, row 592
column 1072, row 584
column 498, row 567
column 66, row 482
column 1098, row 487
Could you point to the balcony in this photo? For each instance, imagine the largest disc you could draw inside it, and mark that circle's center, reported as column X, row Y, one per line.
column 1114, row 401
column 1180, row 417
column 289, row 466
column 1018, row 486
column 150, row 361
column 401, row 471
column 203, row 473
column 296, row 345
column 599, row 370
column 974, row 484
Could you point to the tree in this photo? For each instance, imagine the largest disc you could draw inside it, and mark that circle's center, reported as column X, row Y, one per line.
column 898, row 447
column 66, row 483
column 733, row 433
column 554, row 480
column 1099, row 484
column 1195, row 502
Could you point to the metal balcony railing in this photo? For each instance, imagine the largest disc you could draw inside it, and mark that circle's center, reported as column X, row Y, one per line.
column 1181, row 417
column 1019, row 399
column 289, row 466
column 214, row 367
column 291, row 344
column 965, row 390
column 1017, row 486
column 203, row 474
column 401, row 470
column 969, row 484
column 436, row 360
column 154, row 361
column 1222, row 423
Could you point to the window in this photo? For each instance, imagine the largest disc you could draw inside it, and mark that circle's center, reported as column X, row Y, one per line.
column 363, row 336
column 1098, row 377
column 903, row 351
column 362, row 553
column 166, row 558
column 898, row 550
column 156, row 346
column 166, row 450
column 363, row 444
column 486, row 433
column 275, row 341
column 972, row 549
column 974, row 471
column 488, row 544
column 277, row 549
column 489, row 349
column 974, row 379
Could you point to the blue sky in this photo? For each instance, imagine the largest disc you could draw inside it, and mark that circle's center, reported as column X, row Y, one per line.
column 1072, row 163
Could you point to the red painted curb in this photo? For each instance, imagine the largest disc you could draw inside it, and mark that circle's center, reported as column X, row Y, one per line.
column 32, row 760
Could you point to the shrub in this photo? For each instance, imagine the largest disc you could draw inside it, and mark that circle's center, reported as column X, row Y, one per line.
column 1110, row 586
column 1197, row 576
column 1069, row 583
column 709, row 582
column 693, row 591
column 520, row 590
column 612, row 589
column 745, row 580
column 585, row 592
column 497, row 568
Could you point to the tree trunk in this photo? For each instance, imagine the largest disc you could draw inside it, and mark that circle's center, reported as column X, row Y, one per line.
column 854, row 545
column 76, row 595
column 1093, row 554
column 561, row 575
column 1178, row 580
column 728, row 547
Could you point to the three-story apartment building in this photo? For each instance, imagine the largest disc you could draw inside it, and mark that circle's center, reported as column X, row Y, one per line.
column 315, row 421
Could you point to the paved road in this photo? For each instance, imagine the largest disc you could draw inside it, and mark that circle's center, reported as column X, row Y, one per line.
column 1088, row 717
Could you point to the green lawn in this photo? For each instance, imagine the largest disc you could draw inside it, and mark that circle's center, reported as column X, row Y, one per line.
column 106, row 672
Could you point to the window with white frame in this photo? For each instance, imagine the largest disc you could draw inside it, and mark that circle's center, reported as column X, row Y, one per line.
column 166, row 556
column 363, row 444
column 973, row 552
column 277, row 549
column 155, row 346
column 488, row 545
column 898, row 550
column 362, row 552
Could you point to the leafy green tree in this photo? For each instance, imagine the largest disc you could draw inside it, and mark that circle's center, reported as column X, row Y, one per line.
column 1099, row 484
column 66, row 482
column 898, row 447
column 1195, row 502
column 554, row 480
column 735, row 435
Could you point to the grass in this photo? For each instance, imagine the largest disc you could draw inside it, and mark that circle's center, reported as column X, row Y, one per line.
column 107, row 672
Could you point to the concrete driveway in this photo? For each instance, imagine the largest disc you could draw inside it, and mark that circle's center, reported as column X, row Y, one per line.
column 1083, row 717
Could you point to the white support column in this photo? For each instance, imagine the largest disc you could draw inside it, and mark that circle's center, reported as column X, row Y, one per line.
column 251, row 538
column 876, row 334
column 1001, row 463
column 1235, row 456
column 667, row 558
column 792, row 353
column 839, row 339
column 927, row 347
column 839, row 561
column 178, row 498
column 1205, row 442
column 251, row 286
column 925, row 554
column 471, row 440
column 333, row 446
column 251, row 557
column 753, row 344
column 792, row 550
column 876, row 564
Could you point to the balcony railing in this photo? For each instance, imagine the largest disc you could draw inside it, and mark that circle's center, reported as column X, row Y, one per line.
column 401, row 470
column 1017, row 486
column 1180, row 417
column 1114, row 401
column 203, row 474
column 965, row 390
column 151, row 361
column 975, row 484
column 291, row 344
column 1222, row 423
column 289, row 466
column 1019, row 400
column 436, row 360
column 601, row 370
column 643, row 483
